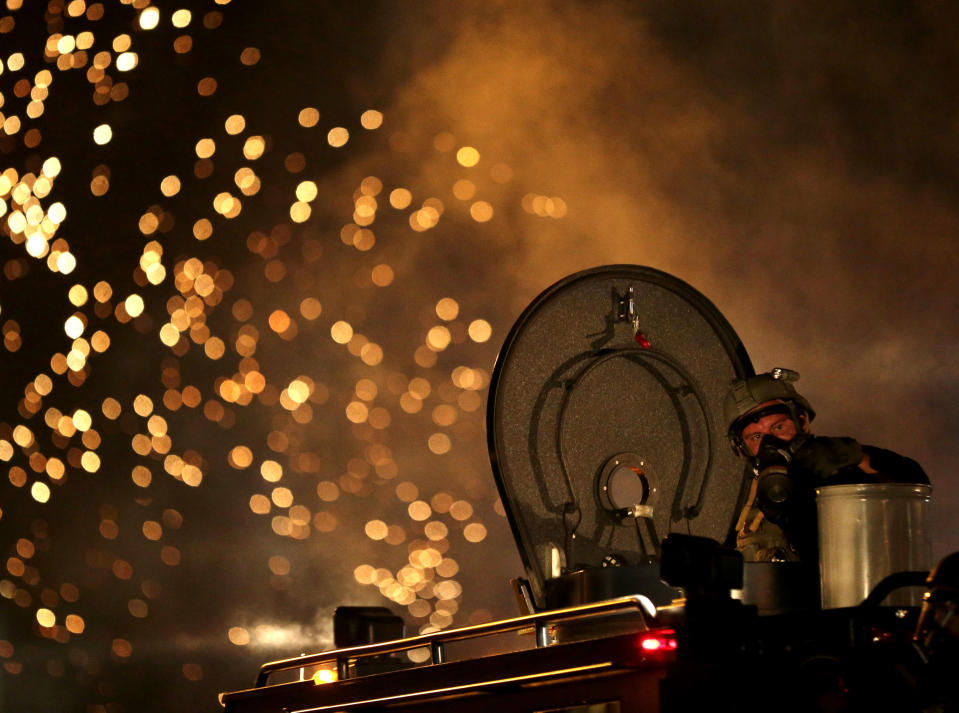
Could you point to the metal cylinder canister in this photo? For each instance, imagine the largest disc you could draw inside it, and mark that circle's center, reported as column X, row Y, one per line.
column 869, row 531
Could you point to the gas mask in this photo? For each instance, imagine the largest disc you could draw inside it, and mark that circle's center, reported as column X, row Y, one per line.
column 771, row 466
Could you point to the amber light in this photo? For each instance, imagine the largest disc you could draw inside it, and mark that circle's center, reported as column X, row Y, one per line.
column 324, row 675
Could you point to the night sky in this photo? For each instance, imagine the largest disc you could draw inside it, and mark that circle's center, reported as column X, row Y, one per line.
column 259, row 259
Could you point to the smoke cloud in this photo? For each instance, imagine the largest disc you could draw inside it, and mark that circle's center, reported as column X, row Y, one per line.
column 795, row 163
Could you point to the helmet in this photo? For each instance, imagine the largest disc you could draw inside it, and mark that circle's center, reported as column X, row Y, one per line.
column 745, row 395
column 945, row 574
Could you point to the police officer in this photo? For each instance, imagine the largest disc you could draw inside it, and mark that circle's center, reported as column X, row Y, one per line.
column 769, row 425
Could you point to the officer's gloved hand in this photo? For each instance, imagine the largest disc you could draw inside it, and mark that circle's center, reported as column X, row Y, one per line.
column 821, row 458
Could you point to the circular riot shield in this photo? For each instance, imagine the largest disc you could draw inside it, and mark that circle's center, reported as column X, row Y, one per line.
column 605, row 421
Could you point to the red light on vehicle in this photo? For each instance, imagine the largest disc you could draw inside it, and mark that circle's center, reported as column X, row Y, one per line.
column 658, row 641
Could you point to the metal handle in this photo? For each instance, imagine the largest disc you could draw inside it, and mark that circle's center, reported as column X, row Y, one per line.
column 342, row 658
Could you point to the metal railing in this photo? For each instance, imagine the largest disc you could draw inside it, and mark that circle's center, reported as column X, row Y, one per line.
column 541, row 622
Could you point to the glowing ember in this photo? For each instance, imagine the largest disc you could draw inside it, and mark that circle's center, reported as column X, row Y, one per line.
column 230, row 362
